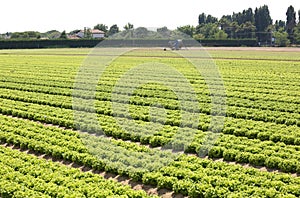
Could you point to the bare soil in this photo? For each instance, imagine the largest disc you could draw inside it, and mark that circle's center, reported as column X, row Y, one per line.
column 269, row 49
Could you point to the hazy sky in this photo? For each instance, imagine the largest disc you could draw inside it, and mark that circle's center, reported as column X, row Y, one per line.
column 40, row 15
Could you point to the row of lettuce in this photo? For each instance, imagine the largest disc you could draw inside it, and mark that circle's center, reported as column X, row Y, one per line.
column 184, row 174
column 240, row 105
column 24, row 175
column 265, row 129
column 234, row 139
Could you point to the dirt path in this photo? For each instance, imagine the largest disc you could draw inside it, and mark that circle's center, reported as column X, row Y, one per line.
column 266, row 49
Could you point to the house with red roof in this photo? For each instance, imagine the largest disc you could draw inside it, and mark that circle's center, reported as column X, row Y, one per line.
column 95, row 33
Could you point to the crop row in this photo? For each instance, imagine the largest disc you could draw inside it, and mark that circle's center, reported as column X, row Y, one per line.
column 65, row 72
column 242, row 87
column 189, row 175
column 234, row 111
column 104, row 93
column 28, row 176
column 239, row 127
column 252, row 94
column 247, row 149
column 239, row 78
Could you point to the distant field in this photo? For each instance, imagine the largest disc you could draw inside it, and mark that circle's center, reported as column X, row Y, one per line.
column 257, row 153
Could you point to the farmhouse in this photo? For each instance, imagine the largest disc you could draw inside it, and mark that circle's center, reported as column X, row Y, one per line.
column 95, row 33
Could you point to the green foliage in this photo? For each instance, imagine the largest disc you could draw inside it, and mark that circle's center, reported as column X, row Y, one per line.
column 289, row 166
column 257, row 159
column 244, row 17
column 63, row 35
column 297, row 34
column 113, row 30
column 290, row 22
column 203, row 19
column 220, row 35
column 242, row 157
column 187, row 29
column 101, row 27
column 21, row 178
column 229, row 155
column 215, row 152
column 208, row 30
column 273, row 162
column 87, row 33
column 261, row 127
column 280, row 25
column 25, row 35
column 128, row 26
column 262, row 21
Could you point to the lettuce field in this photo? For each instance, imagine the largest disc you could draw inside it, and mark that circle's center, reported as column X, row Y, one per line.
column 60, row 134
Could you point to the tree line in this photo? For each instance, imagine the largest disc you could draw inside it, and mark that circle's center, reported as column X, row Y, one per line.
column 54, row 34
column 247, row 24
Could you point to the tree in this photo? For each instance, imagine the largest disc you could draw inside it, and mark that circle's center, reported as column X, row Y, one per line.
column 220, row 35
column 297, row 34
column 279, row 24
column 113, row 30
column 299, row 16
column 164, row 32
column 245, row 30
column 162, row 29
column 128, row 26
column 290, row 22
column 53, row 34
column 242, row 17
column 63, row 35
column 228, row 17
column 238, row 17
column 281, row 38
column 87, row 33
column 211, row 19
column 101, row 27
column 25, row 35
column 187, row 29
column 248, row 15
column 262, row 20
column 202, row 19
column 208, row 30
column 199, row 36
column 225, row 24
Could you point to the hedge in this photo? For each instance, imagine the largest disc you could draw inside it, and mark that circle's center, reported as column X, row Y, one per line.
column 67, row 43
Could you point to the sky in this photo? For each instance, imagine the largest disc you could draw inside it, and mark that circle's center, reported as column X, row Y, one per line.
column 41, row 15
